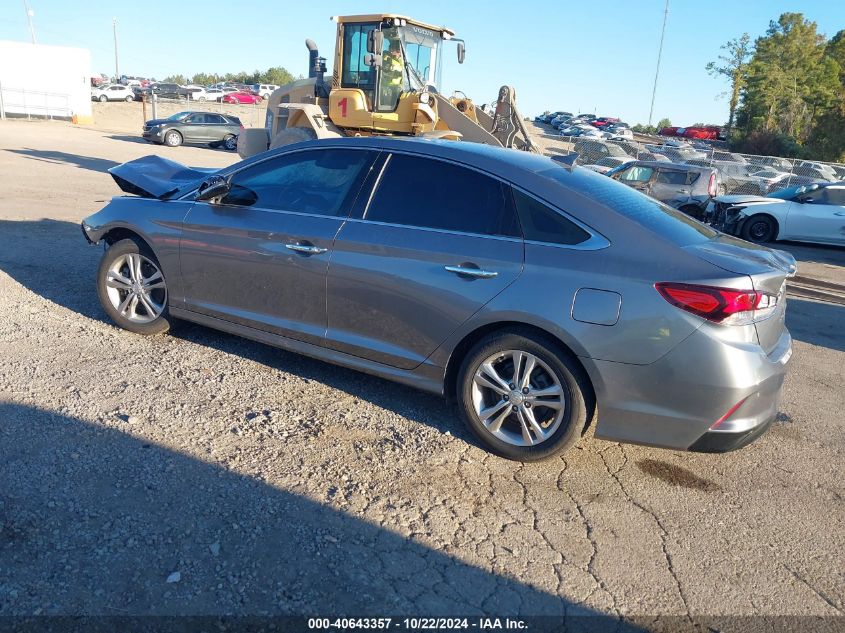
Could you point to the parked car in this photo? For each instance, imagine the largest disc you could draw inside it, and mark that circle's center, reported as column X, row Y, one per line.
column 709, row 132
column 263, row 90
column 735, row 177
column 246, row 250
column 670, row 131
column 548, row 116
column 561, row 120
column 196, row 93
column 620, row 134
column 241, row 97
column 675, row 153
column 687, row 188
column 194, row 127
column 806, row 213
column 590, row 151
column 168, row 91
column 582, row 130
column 604, row 165
column 112, row 92
column 217, row 94
column 820, row 171
column 775, row 162
column 587, row 117
column 603, row 121
column 732, row 157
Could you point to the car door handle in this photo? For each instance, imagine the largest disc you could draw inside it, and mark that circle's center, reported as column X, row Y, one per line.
column 471, row 272
column 309, row 249
column 840, row 214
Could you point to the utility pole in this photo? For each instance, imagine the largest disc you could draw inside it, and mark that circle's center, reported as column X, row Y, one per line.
column 116, row 69
column 659, row 55
column 29, row 14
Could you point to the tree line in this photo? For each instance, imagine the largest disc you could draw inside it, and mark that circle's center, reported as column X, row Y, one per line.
column 277, row 75
column 787, row 90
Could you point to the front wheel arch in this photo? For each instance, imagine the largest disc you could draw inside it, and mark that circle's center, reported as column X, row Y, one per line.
column 749, row 220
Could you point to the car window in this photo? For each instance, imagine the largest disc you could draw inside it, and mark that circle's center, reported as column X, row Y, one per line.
column 322, row 182
column 671, row 177
column 216, row 119
column 460, row 200
column 836, row 196
column 637, row 173
column 543, row 224
column 195, row 118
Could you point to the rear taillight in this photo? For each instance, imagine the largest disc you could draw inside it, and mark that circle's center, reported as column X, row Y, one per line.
column 711, row 186
column 720, row 305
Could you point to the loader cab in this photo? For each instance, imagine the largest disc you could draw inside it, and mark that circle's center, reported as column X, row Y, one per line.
column 382, row 62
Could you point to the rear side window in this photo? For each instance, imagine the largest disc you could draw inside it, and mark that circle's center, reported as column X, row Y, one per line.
column 835, row 196
column 672, row 177
column 423, row 192
column 321, row 182
column 637, row 173
column 541, row 223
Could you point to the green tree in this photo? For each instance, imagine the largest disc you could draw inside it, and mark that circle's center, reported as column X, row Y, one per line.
column 665, row 122
column 790, row 79
column 733, row 64
column 175, row 79
column 277, row 75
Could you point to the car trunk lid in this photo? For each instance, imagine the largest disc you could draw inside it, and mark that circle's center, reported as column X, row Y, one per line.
column 767, row 270
column 156, row 177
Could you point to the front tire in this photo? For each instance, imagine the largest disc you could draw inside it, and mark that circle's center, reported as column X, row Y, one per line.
column 103, row 98
column 522, row 396
column 132, row 288
column 760, row 229
column 172, row 138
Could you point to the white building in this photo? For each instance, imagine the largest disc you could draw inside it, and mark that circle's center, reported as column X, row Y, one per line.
column 45, row 81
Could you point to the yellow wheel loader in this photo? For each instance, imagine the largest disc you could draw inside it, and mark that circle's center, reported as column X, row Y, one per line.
column 384, row 82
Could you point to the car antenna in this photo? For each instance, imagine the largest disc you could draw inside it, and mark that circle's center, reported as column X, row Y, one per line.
column 567, row 161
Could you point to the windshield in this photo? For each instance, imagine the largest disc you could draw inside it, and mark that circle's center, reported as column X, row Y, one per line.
column 421, row 48
column 177, row 116
column 791, row 192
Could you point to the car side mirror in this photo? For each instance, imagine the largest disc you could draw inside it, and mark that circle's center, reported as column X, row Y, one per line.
column 214, row 187
column 375, row 42
column 372, row 59
column 462, row 52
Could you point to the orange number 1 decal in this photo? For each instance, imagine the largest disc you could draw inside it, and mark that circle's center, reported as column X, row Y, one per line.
column 342, row 105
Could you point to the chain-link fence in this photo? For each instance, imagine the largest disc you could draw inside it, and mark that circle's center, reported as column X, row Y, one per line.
column 735, row 173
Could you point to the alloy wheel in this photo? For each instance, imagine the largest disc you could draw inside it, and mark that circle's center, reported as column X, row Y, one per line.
column 135, row 288
column 518, row 398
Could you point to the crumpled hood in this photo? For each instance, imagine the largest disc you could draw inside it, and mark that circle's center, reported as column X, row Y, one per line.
column 156, row 177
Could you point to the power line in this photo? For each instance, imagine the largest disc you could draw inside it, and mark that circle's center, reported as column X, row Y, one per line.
column 659, row 55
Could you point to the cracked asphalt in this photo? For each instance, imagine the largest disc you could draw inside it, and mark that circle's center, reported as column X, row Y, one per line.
column 276, row 484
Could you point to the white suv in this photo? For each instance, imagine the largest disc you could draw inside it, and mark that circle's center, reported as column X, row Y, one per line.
column 263, row 90
column 112, row 92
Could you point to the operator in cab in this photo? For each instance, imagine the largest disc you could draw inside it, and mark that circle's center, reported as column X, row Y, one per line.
column 393, row 71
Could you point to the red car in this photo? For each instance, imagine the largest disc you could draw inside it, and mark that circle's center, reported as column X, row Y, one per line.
column 707, row 132
column 241, row 97
column 603, row 120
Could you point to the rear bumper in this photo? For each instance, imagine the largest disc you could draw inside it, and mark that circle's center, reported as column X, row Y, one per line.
column 675, row 402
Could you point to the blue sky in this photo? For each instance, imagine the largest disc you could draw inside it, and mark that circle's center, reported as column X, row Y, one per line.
column 558, row 55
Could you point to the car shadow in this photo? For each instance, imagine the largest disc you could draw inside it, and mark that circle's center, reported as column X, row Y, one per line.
column 138, row 139
column 56, row 157
column 66, row 278
column 97, row 521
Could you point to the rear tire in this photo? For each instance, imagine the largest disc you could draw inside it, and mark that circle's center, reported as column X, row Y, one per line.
column 532, row 413
column 132, row 288
column 760, row 229
column 291, row 135
column 230, row 142
column 172, row 138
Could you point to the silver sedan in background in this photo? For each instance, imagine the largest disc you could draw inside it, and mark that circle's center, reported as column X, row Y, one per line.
column 533, row 293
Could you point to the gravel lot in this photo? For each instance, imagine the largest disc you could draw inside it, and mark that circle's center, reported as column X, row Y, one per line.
column 198, row 473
